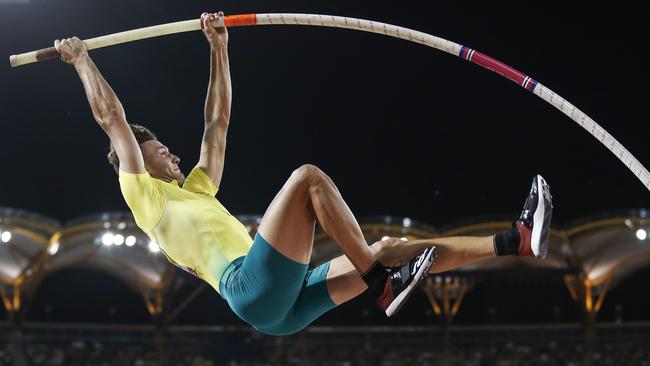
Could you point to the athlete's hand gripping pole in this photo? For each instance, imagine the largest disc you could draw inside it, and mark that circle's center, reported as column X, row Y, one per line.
column 128, row 36
column 411, row 35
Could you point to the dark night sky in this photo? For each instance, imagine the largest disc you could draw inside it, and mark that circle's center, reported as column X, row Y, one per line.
column 402, row 129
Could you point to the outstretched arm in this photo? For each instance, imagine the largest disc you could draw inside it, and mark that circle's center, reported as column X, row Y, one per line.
column 217, row 103
column 107, row 109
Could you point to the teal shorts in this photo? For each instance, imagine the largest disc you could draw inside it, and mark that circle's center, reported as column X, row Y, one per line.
column 273, row 293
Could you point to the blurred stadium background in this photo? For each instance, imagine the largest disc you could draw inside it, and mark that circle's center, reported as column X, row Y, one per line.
column 96, row 291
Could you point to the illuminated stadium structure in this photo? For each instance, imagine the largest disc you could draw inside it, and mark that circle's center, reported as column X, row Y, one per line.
column 593, row 255
column 590, row 256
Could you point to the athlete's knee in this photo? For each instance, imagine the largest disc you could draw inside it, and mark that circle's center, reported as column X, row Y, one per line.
column 312, row 178
column 307, row 172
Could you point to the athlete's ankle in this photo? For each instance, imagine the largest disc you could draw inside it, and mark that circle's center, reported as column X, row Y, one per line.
column 376, row 277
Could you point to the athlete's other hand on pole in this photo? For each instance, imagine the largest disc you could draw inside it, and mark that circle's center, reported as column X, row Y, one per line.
column 214, row 29
column 71, row 49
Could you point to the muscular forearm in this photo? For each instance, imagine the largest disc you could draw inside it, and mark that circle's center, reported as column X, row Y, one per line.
column 103, row 101
column 217, row 104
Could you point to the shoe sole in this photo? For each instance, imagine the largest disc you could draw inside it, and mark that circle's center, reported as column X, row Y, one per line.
column 400, row 300
column 539, row 236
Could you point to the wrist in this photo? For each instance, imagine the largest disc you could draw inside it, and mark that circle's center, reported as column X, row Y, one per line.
column 81, row 60
column 217, row 47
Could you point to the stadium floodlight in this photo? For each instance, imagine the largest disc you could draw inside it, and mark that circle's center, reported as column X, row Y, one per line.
column 641, row 234
column 107, row 239
column 130, row 241
column 54, row 248
column 153, row 247
column 5, row 236
column 118, row 239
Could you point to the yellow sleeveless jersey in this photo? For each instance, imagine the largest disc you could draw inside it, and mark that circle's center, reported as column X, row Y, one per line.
column 189, row 224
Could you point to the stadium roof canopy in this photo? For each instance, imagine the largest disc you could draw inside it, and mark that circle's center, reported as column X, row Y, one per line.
column 604, row 249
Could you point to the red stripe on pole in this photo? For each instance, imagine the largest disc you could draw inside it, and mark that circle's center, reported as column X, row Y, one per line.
column 498, row 67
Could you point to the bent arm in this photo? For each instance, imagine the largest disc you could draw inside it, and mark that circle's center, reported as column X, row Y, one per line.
column 109, row 114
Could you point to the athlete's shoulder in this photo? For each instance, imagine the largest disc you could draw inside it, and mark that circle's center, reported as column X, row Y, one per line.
column 198, row 181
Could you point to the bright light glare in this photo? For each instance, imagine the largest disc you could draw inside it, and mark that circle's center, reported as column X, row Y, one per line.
column 5, row 236
column 130, row 241
column 153, row 247
column 54, row 248
column 118, row 240
column 107, row 239
column 641, row 234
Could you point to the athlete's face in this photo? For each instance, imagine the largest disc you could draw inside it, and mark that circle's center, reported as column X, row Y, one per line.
column 160, row 163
